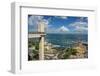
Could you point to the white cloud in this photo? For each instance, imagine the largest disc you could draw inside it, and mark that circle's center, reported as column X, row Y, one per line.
column 79, row 26
column 34, row 20
column 51, row 30
column 62, row 17
column 82, row 19
column 46, row 22
column 63, row 29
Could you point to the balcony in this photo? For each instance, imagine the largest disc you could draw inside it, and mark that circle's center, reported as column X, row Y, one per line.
column 36, row 34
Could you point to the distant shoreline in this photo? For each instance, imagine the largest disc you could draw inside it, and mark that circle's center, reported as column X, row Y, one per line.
column 70, row 33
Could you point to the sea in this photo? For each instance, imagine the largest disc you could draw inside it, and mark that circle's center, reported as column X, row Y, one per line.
column 65, row 40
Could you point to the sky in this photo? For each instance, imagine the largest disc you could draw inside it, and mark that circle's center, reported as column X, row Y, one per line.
column 59, row 24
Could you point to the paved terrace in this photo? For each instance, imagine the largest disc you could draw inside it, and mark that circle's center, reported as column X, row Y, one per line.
column 35, row 34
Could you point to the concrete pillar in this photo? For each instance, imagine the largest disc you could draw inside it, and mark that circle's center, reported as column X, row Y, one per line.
column 41, row 48
column 41, row 44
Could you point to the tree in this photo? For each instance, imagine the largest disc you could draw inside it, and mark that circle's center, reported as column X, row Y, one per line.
column 69, row 51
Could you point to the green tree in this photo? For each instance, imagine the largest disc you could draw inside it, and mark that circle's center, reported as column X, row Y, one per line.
column 68, row 52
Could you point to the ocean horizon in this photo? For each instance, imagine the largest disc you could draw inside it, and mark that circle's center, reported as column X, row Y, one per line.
column 65, row 40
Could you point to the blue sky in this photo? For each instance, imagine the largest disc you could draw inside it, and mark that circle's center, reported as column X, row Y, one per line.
column 59, row 24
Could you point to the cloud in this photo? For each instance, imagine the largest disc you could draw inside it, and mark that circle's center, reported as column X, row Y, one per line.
column 79, row 26
column 61, row 17
column 51, row 30
column 75, row 27
column 84, row 19
column 63, row 29
column 34, row 20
